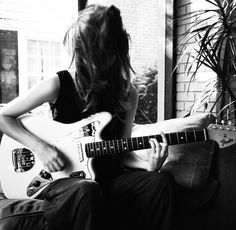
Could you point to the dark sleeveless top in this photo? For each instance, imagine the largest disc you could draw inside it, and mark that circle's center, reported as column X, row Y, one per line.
column 68, row 108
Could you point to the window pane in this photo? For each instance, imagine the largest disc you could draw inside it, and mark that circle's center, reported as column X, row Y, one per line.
column 46, row 67
column 34, row 64
column 55, row 49
column 32, row 47
column 44, row 48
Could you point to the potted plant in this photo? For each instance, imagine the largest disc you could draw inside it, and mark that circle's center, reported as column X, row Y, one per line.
column 212, row 44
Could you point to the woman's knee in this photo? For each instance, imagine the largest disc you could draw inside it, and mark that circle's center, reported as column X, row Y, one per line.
column 162, row 183
column 90, row 188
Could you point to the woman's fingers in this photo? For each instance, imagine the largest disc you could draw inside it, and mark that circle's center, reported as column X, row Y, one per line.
column 156, row 147
column 159, row 152
column 55, row 165
column 52, row 159
column 160, row 148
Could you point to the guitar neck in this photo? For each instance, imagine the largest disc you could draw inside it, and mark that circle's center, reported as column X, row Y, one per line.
column 110, row 147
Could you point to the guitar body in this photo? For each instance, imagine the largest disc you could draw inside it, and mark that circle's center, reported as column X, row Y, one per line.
column 22, row 174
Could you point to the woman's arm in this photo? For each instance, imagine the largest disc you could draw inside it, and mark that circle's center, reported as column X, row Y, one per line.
column 159, row 151
column 46, row 91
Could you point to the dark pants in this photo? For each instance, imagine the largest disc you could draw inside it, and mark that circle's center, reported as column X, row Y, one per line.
column 73, row 204
column 140, row 200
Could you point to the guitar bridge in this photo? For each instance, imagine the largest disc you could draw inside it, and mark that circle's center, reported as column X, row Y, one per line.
column 22, row 159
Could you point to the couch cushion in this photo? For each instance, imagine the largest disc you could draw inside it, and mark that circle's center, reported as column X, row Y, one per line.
column 22, row 214
column 189, row 164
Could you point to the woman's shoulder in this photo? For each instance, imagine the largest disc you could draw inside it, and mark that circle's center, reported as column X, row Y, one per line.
column 133, row 93
column 66, row 74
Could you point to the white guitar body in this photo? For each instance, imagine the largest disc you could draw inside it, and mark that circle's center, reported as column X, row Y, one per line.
column 23, row 175
column 30, row 178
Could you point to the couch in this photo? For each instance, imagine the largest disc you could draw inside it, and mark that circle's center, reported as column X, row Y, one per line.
column 204, row 175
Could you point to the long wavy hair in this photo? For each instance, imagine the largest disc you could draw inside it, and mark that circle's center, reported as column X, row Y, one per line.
column 100, row 53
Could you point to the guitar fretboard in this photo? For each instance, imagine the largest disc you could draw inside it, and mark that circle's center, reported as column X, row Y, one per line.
column 102, row 148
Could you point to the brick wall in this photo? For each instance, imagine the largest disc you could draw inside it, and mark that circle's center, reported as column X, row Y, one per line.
column 187, row 94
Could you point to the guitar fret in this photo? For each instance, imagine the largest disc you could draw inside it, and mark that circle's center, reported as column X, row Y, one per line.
column 181, row 138
column 122, row 144
column 186, row 138
column 88, row 149
column 112, row 147
column 195, row 137
column 104, row 152
column 173, row 138
column 121, row 149
column 117, row 145
column 91, row 150
column 94, row 149
column 140, row 143
column 191, row 136
column 146, row 142
column 98, row 152
column 205, row 134
column 177, row 138
column 107, row 146
column 168, row 137
column 127, row 141
column 200, row 135
column 101, row 148
column 135, row 143
column 131, row 143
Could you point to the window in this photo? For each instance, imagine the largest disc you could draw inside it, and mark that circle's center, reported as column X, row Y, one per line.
column 31, row 35
column 43, row 60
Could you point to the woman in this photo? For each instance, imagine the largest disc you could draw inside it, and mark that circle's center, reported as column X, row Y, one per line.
column 100, row 82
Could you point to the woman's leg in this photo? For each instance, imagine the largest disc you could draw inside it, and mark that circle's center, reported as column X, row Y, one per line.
column 141, row 200
column 73, row 204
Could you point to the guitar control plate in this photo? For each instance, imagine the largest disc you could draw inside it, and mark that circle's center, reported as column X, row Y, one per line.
column 38, row 182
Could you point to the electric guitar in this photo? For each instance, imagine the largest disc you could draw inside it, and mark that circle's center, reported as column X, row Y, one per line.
column 22, row 174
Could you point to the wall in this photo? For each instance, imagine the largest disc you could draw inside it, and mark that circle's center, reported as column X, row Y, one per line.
column 187, row 94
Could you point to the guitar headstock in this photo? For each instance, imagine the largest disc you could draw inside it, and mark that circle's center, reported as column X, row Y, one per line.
column 224, row 135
